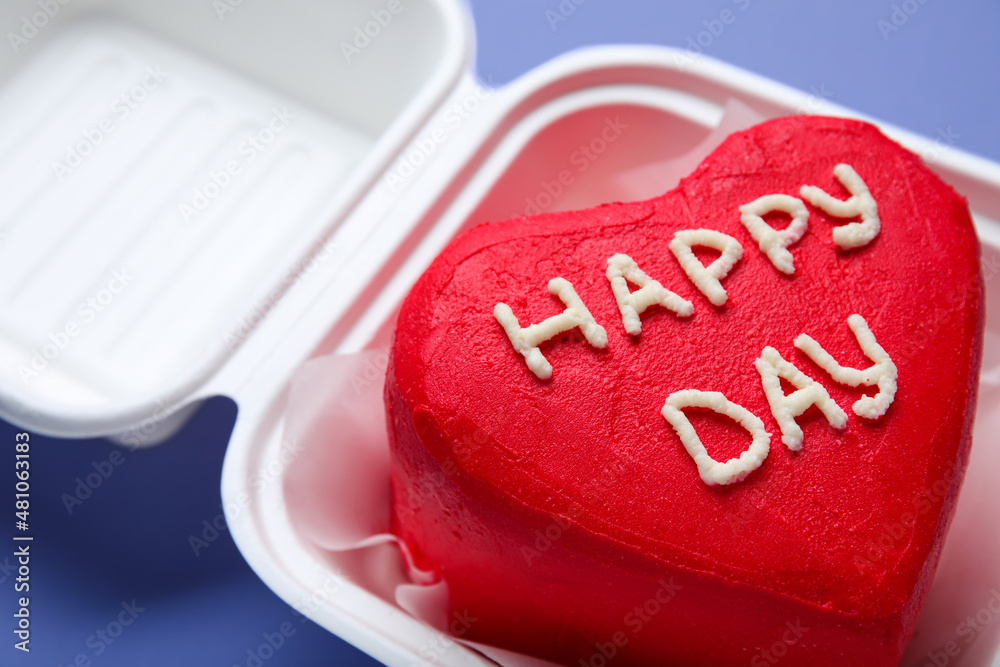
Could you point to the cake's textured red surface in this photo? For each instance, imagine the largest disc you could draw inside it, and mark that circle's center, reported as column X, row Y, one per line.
column 566, row 515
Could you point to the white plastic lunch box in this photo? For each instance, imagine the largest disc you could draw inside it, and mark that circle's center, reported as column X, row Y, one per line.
column 228, row 207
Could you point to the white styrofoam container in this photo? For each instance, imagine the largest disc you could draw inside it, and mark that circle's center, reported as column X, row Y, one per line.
column 121, row 113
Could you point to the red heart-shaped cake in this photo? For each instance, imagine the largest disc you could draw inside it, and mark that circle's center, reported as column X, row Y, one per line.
column 726, row 426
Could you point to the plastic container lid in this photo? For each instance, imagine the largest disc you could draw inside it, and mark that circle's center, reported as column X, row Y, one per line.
column 172, row 172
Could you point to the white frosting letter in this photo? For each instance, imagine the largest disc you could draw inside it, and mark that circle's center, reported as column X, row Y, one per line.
column 526, row 341
column 881, row 374
column 772, row 242
column 713, row 472
column 623, row 268
column 707, row 278
column 861, row 203
column 785, row 408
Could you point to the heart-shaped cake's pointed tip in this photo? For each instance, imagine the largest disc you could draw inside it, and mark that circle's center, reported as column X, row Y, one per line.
column 778, row 430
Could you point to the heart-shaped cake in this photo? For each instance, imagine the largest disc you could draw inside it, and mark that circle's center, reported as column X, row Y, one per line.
column 726, row 426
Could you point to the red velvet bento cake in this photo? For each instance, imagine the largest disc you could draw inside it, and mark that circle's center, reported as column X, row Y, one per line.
column 706, row 429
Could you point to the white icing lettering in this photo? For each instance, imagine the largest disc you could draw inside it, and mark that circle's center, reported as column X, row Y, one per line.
column 622, row 268
column 526, row 341
column 881, row 374
column 772, row 242
column 713, row 472
column 785, row 408
column 861, row 203
column 707, row 278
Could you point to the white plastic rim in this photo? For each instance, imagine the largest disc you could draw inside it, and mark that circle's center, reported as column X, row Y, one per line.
column 437, row 205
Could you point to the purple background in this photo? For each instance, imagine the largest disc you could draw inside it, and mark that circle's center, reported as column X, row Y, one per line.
column 935, row 74
column 937, row 69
